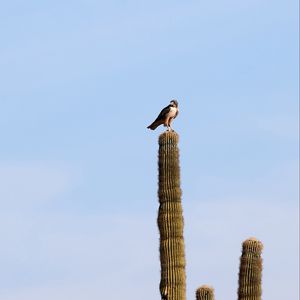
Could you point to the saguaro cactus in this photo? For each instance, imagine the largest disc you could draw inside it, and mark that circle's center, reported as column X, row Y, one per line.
column 170, row 220
column 250, row 270
column 205, row 292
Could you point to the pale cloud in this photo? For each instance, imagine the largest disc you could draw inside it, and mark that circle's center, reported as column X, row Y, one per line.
column 215, row 231
column 24, row 184
column 278, row 126
column 79, row 257
column 276, row 183
column 68, row 255
column 112, row 256
column 27, row 187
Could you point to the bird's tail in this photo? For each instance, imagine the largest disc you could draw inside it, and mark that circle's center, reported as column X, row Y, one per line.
column 154, row 125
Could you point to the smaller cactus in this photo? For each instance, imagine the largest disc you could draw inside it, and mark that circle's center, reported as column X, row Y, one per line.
column 205, row 292
column 250, row 270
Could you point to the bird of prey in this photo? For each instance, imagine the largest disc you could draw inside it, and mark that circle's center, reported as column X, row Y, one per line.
column 166, row 116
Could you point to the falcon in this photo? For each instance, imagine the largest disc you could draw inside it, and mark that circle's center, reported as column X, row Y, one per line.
column 166, row 116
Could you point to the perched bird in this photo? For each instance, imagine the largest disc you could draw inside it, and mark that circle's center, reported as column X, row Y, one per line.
column 166, row 116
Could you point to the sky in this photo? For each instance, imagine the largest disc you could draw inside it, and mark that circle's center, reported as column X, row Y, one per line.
column 79, row 83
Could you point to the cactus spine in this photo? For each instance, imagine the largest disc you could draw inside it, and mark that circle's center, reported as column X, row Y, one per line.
column 250, row 270
column 205, row 292
column 170, row 220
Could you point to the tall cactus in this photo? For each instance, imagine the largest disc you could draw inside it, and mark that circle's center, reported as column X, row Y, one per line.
column 250, row 270
column 170, row 220
column 170, row 224
column 205, row 292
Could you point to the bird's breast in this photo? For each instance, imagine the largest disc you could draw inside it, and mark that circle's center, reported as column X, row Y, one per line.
column 172, row 112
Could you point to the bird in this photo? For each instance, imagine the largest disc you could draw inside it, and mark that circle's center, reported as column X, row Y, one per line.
column 166, row 116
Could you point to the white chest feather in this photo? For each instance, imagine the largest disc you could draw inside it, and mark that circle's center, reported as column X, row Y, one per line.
column 172, row 112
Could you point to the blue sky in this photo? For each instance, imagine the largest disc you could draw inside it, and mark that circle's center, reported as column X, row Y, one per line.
column 81, row 80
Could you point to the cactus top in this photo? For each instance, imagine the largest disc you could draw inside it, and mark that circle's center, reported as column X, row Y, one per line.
column 168, row 137
column 205, row 292
column 252, row 245
column 206, row 288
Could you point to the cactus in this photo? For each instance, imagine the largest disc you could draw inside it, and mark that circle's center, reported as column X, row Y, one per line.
column 205, row 292
column 250, row 270
column 170, row 220
column 170, row 224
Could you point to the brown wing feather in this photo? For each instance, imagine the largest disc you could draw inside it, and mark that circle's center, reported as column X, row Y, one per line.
column 155, row 124
column 160, row 119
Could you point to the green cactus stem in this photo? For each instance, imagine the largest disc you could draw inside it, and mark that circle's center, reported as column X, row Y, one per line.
column 250, row 270
column 205, row 292
column 170, row 220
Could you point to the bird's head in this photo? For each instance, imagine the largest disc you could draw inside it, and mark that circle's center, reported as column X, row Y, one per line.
column 174, row 103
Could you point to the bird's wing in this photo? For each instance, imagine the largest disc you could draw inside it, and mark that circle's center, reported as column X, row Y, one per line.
column 163, row 113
